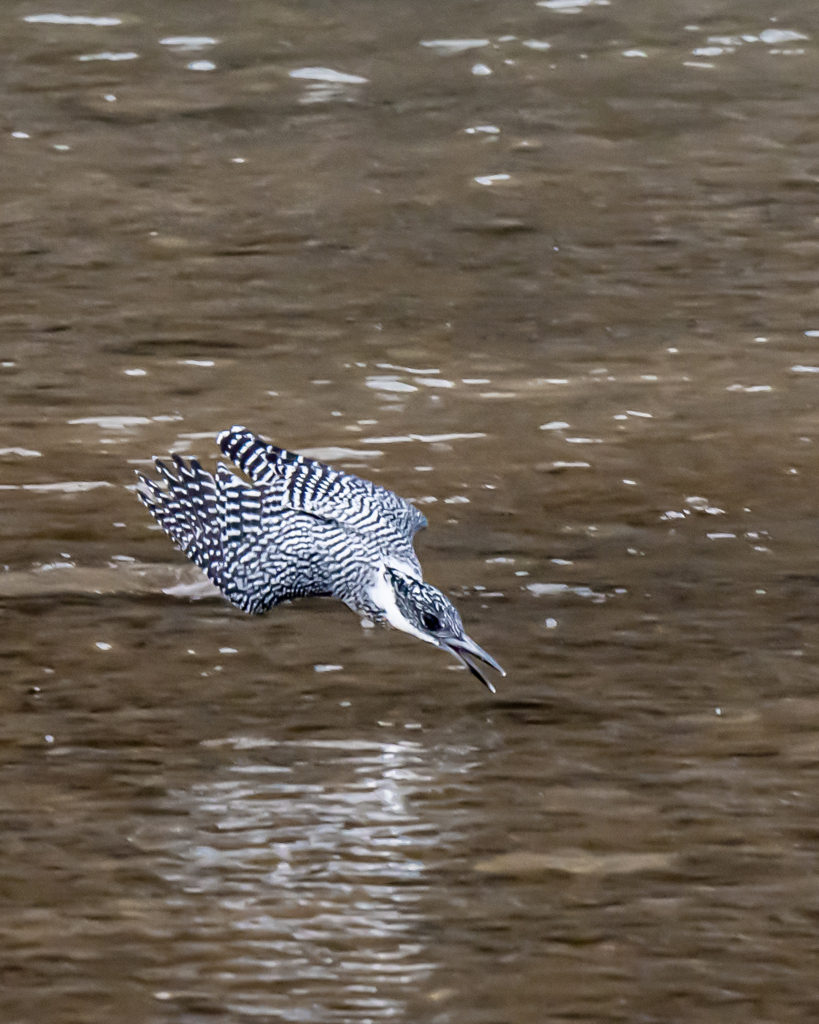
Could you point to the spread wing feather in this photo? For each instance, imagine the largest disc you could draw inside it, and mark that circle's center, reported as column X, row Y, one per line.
column 225, row 527
column 305, row 485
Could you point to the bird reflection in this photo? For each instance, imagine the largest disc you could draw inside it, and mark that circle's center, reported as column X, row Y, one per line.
column 312, row 857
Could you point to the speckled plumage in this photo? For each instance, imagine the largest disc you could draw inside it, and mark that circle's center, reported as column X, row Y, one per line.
column 300, row 528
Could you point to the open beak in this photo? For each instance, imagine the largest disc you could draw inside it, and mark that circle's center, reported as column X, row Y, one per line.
column 463, row 646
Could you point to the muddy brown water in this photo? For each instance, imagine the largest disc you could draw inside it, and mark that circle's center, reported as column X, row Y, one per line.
column 550, row 270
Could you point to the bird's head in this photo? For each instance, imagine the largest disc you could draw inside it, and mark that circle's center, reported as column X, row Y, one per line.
column 422, row 610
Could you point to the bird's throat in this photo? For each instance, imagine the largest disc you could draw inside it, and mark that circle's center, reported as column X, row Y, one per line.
column 382, row 597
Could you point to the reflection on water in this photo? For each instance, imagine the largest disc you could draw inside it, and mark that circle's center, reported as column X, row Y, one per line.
column 547, row 268
column 307, row 858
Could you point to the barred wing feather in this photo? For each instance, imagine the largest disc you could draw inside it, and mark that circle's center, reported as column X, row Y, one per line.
column 306, row 485
column 224, row 527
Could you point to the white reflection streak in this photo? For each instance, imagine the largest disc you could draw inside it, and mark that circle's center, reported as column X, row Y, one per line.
column 326, row 84
column 313, row 882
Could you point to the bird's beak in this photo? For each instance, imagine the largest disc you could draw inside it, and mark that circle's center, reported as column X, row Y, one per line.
column 462, row 646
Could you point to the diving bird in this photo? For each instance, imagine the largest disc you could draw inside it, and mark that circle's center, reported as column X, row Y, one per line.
column 300, row 529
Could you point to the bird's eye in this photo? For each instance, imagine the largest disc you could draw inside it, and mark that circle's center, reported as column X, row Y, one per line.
column 431, row 622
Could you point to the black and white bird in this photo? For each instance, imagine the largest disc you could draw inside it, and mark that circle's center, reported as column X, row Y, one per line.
column 301, row 529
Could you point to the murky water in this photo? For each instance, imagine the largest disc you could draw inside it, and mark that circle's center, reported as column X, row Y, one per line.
column 549, row 270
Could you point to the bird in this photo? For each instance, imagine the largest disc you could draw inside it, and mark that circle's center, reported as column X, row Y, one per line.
column 298, row 528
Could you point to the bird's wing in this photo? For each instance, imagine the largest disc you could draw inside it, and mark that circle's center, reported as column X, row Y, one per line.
column 308, row 486
column 228, row 529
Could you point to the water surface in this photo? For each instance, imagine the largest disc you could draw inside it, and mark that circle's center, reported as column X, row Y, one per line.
column 550, row 270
